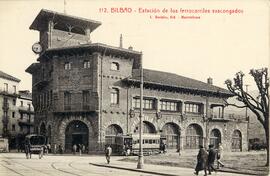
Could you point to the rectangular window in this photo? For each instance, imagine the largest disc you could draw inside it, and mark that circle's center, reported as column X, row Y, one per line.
column 67, row 101
column 5, row 87
column 167, row 105
column 14, row 102
column 21, row 128
column 13, row 114
column 21, row 115
column 114, row 96
column 86, row 64
column 114, row 66
column 193, row 108
column 147, row 103
column 21, row 103
column 67, row 66
column 51, row 97
column 13, row 127
column 14, row 89
column 86, row 96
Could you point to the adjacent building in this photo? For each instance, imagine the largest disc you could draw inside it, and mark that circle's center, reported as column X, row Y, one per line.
column 88, row 93
column 16, row 113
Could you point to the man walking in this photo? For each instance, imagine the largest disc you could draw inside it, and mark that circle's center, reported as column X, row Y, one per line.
column 220, row 156
column 211, row 159
column 108, row 152
column 201, row 161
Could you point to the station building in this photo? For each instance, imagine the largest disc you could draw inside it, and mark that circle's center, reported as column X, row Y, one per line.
column 88, row 93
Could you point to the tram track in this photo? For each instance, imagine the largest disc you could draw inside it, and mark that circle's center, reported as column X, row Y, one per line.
column 85, row 171
column 11, row 170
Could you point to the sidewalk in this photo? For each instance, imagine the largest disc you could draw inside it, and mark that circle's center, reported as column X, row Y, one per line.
column 158, row 169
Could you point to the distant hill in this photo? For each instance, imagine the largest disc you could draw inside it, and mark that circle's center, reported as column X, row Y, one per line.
column 256, row 129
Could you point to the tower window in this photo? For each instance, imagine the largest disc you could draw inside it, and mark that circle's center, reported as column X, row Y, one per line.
column 114, row 66
column 86, row 64
column 114, row 96
column 67, row 66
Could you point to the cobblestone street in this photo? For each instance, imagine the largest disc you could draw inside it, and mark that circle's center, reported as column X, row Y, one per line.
column 13, row 164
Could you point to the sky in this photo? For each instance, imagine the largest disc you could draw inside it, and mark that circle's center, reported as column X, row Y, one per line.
column 216, row 45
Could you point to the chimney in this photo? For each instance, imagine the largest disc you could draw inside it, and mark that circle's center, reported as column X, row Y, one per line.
column 121, row 41
column 210, row 80
column 130, row 48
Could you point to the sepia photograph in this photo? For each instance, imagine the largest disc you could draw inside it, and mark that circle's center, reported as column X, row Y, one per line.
column 139, row 88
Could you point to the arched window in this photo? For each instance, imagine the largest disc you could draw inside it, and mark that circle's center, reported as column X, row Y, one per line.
column 215, row 137
column 43, row 129
column 236, row 141
column 194, row 136
column 111, row 132
column 171, row 132
column 147, row 128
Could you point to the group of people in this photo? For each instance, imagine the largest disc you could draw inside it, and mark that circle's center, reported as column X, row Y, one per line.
column 80, row 148
column 206, row 159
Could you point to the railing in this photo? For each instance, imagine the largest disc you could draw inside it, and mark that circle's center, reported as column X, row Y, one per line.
column 75, row 107
column 5, row 105
column 5, row 119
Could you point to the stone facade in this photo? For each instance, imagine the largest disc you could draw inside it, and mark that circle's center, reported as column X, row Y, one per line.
column 94, row 86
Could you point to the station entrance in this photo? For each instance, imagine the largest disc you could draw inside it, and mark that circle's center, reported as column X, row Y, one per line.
column 77, row 133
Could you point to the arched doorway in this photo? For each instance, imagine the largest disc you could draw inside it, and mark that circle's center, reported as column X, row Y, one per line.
column 43, row 130
column 236, row 141
column 194, row 136
column 76, row 133
column 171, row 132
column 111, row 132
column 147, row 128
column 215, row 137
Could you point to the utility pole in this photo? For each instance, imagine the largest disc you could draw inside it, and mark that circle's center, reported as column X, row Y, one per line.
column 247, row 119
column 140, row 158
column 65, row 6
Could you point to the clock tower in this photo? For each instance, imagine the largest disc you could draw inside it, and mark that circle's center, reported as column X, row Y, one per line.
column 58, row 30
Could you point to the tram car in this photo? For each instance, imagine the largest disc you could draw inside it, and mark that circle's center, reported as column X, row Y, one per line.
column 151, row 144
column 34, row 144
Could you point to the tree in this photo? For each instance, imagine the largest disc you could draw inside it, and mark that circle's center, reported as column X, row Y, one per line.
column 259, row 105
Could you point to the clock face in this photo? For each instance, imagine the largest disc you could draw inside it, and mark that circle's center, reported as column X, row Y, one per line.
column 36, row 48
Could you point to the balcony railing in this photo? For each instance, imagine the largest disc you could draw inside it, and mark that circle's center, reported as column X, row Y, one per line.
column 5, row 106
column 5, row 120
column 75, row 107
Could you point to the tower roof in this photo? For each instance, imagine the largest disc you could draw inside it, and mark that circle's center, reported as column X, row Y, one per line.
column 41, row 20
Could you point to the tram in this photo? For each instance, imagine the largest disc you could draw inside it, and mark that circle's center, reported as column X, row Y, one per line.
column 151, row 144
column 34, row 144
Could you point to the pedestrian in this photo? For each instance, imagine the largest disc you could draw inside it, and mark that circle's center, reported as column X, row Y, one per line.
column 49, row 148
column 108, row 152
column 80, row 149
column 27, row 150
column 201, row 161
column 83, row 148
column 74, row 149
column 60, row 148
column 211, row 158
column 220, row 156
column 54, row 148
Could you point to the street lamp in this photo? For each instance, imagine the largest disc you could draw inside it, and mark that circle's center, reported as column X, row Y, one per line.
column 247, row 119
column 140, row 157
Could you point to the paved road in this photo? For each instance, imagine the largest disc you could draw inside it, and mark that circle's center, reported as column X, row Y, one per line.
column 16, row 164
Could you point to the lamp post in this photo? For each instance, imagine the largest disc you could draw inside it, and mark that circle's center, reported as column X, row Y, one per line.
column 247, row 119
column 140, row 157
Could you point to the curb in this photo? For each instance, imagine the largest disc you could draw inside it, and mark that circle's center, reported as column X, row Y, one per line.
column 129, row 169
column 157, row 173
